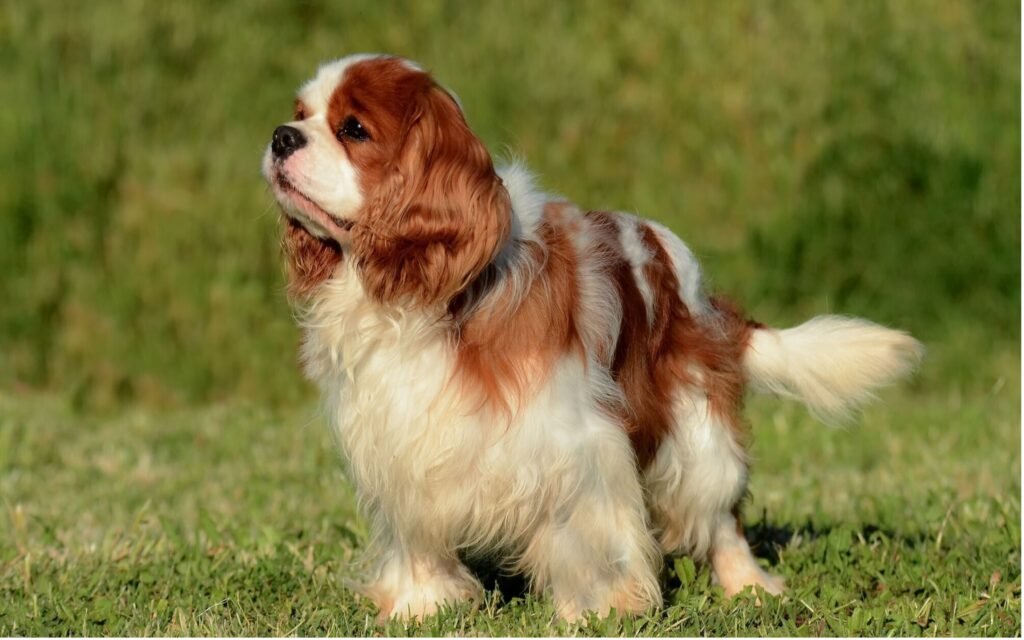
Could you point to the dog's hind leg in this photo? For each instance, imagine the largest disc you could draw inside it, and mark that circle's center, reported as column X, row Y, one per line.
column 695, row 482
column 734, row 565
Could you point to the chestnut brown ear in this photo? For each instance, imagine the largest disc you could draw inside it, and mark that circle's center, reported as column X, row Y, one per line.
column 442, row 215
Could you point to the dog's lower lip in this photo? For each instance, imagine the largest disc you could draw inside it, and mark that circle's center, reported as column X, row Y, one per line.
column 285, row 185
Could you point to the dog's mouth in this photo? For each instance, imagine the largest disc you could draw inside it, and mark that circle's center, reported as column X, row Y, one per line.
column 304, row 210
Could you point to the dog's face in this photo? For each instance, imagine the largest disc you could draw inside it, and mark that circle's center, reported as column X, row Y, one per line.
column 380, row 161
column 313, row 162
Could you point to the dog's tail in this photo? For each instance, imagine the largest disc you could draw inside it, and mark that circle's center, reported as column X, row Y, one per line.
column 832, row 364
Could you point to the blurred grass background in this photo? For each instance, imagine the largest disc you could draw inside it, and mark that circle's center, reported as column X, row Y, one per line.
column 852, row 157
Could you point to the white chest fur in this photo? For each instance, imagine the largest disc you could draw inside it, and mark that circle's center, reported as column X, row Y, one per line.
column 423, row 459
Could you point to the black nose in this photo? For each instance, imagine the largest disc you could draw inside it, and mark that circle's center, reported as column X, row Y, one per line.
column 286, row 141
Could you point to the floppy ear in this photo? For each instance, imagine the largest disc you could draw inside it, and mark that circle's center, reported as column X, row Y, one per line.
column 442, row 215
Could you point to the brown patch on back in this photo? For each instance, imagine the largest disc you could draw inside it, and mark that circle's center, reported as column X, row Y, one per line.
column 641, row 347
column 311, row 261
column 505, row 353
column 653, row 359
column 707, row 354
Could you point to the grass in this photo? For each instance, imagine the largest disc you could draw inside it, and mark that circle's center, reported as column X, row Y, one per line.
column 236, row 520
column 162, row 466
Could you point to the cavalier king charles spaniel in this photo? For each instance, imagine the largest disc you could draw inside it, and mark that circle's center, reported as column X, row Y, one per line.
column 513, row 377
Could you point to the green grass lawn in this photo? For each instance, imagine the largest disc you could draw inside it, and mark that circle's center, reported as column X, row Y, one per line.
column 163, row 469
column 236, row 520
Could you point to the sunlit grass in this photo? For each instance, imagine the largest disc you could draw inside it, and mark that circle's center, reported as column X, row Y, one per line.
column 235, row 520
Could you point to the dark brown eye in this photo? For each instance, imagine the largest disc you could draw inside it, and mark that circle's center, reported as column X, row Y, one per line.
column 353, row 130
column 300, row 111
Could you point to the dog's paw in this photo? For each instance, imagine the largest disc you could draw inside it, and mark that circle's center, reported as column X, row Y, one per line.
column 736, row 582
column 417, row 600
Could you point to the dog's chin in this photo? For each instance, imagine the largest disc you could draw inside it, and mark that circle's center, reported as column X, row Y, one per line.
column 339, row 233
column 314, row 219
column 298, row 234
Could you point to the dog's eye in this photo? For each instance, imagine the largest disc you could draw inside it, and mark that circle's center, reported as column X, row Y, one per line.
column 353, row 130
column 300, row 111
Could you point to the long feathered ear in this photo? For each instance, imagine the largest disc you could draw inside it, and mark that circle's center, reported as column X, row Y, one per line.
column 442, row 215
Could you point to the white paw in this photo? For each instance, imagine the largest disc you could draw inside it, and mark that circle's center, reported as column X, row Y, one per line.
column 409, row 600
column 735, row 582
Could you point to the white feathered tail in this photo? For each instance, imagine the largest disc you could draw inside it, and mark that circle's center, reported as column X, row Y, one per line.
column 833, row 364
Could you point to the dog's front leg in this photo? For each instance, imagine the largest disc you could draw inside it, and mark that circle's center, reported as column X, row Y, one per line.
column 594, row 552
column 415, row 583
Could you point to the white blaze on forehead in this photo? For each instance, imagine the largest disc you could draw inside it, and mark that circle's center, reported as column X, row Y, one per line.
column 316, row 94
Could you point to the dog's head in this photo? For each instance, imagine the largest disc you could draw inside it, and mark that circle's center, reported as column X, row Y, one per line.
column 379, row 161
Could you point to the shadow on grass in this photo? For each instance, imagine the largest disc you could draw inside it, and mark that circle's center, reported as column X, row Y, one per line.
column 766, row 541
column 491, row 575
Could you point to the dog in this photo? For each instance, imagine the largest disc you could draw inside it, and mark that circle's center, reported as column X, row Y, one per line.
column 511, row 376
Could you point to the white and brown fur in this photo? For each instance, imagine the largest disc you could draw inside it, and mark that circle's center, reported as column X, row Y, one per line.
column 509, row 374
